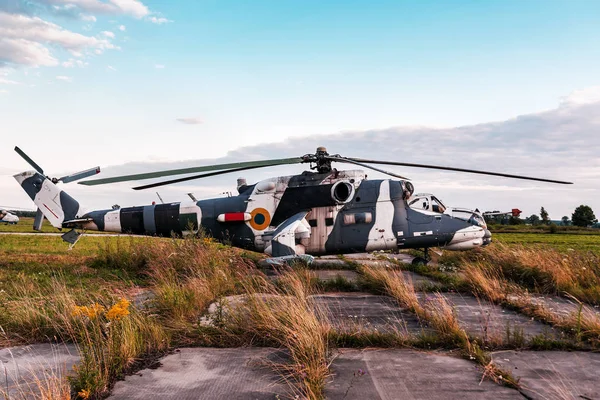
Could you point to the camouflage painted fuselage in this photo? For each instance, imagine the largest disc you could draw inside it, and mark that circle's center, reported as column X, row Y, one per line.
column 311, row 213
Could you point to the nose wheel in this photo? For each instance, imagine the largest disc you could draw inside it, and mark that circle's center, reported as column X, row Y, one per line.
column 422, row 260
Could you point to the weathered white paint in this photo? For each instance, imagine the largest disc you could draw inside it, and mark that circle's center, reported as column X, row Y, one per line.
column 112, row 221
column 48, row 200
column 466, row 239
column 381, row 235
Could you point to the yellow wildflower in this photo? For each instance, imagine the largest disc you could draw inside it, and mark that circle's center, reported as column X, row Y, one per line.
column 84, row 394
column 89, row 311
column 119, row 310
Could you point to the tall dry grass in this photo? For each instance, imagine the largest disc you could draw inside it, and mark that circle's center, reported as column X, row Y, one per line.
column 434, row 309
column 546, row 270
column 489, row 281
column 111, row 335
column 187, row 275
column 439, row 314
column 284, row 315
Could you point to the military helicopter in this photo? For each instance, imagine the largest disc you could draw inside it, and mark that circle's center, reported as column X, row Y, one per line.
column 322, row 211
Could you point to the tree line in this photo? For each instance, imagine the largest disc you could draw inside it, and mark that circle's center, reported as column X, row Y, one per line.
column 582, row 216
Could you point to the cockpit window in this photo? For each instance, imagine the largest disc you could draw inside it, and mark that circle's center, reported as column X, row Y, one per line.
column 436, row 205
column 420, row 202
column 478, row 220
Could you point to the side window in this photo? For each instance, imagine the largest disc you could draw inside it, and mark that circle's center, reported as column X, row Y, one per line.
column 420, row 203
column 437, row 205
column 358, row 218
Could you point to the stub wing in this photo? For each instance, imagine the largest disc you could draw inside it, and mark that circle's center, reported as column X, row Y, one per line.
column 283, row 238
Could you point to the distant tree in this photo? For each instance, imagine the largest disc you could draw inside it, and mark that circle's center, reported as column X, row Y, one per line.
column 565, row 221
column 515, row 221
column 533, row 219
column 583, row 216
column 544, row 216
column 553, row 227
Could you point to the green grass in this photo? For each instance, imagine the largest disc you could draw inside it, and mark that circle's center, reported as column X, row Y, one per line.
column 566, row 242
column 25, row 225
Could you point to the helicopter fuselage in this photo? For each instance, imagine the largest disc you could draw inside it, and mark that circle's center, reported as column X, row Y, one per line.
column 312, row 213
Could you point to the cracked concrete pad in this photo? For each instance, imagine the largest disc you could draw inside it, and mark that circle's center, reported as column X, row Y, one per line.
column 349, row 312
column 562, row 306
column 25, row 368
column 332, row 274
column 409, row 374
column 418, row 281
column 553, row 375
column 486, row 320
column 208, row 373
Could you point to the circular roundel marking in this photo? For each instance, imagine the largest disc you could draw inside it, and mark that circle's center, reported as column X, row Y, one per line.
column 260, row 219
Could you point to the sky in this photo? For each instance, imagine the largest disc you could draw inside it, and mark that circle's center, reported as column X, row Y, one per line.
column 143, row 85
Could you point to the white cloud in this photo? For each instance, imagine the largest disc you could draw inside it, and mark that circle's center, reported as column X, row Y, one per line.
column 64, row 78
column 25, row 52
column 4, row 81
column 88, row 18
column 71, row 63
column 190, row 121
column 122, row 28
column 159, row 66
column 132, row 8
column 13, row 26
column 583, row 96
column 3, row 91
column 558, row 144
column 24, row 40
column 111, row 68
column 107, row 34
column 159, row 20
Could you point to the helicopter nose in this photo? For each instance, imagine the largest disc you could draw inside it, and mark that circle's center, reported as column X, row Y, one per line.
column 487, row 238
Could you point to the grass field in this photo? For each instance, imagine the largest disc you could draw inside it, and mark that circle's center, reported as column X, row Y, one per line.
column 561, row 242
column 25, row 225
column 47, row 290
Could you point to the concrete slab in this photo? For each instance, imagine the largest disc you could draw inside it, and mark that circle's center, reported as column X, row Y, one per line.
column 409, row 374
column 330, row 263
column 208, row 373
column 420, row 282
column 333, row 274
column 349, row 312
column 486, row 320
column 562, row 306
column 26, row 369
column 554, row 375
column 401, row 257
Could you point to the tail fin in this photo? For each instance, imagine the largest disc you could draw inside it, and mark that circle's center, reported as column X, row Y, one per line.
column 56, row 205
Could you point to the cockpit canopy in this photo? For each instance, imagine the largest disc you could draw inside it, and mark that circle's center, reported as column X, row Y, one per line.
column 427, row 202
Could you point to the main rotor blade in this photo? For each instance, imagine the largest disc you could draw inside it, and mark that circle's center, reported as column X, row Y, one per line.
column 354, row 161
column 80, row 175
column 29, row 160
column 471, row 171
column 239, row 166
column 189, row 178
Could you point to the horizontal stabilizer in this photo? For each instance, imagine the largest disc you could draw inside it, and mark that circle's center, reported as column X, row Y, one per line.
column 72, row 222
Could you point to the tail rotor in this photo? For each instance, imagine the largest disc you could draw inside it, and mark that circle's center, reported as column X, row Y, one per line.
column 39, row 216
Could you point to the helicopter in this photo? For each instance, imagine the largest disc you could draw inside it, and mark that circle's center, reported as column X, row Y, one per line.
column 8, row 218
column 317, row 212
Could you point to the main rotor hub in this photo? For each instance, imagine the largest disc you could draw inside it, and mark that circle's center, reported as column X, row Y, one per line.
column 320, row 159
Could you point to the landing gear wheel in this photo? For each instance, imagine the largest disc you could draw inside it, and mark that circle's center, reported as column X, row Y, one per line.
column 419, row 260
column 422, row 260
